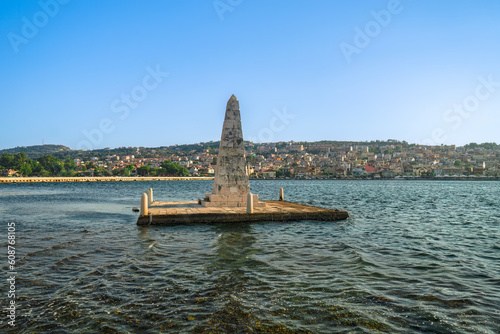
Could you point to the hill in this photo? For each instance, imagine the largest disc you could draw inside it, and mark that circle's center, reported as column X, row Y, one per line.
column 37, row 151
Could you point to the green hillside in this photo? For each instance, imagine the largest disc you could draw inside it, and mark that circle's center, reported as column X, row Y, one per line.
column 37, row 151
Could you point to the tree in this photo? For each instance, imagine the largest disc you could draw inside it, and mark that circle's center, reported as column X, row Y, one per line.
column 21, row 158
column 90, row 165
column 69, row 164
column 174, row 169
column 143, row 171
column 44, row 173
column 56, row 168
column 251, row 159
column 67, row 173
column 25, row 169
column 283, row 173
column 7, row 160
column 52, row 165
column 36, row 167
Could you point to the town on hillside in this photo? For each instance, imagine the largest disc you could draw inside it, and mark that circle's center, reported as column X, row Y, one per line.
column 290, row 160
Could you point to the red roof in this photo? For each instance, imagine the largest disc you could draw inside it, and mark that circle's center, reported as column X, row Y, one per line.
column 369, row 169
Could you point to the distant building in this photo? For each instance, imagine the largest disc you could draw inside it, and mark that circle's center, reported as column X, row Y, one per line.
column 8, row 172
column 369, row 169
column 269, row 173
column 408, row 169
column 478, row 170
column 295, row 148
column 387, row 173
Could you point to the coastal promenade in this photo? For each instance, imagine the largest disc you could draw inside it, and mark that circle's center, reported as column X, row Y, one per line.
column 99, row 179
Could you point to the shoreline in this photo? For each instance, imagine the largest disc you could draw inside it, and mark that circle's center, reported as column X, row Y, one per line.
column 388, row 179
column 100, row 179
column 195, row 178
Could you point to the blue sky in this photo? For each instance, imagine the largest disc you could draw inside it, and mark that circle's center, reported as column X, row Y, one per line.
column 94, row 74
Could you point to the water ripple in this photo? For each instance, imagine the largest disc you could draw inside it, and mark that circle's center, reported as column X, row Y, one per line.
column 414, row 257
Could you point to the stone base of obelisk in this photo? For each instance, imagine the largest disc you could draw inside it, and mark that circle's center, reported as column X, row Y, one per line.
column 213, row 200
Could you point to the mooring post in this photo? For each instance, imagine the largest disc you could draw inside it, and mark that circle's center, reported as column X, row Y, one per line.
column 249, row 203
column 282, row 197
column 144, row 204
column 148, row 193
column 151, row 196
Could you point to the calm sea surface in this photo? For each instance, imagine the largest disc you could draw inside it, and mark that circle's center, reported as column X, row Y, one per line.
column 415, row 256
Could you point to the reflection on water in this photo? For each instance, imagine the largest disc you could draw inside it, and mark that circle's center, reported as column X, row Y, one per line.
column 413, row 257
column 231, row 251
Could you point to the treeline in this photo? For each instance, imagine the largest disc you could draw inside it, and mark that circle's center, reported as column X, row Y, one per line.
column 46, row 165
column 372, row 143
column 37, row 151
column 488, row 146
column 49, row 165
column 168, row 168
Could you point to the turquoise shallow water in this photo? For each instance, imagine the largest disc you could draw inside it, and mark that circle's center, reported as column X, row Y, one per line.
column 415, row 256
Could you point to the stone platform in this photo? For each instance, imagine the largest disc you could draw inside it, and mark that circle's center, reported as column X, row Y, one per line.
column 212, row 200
column 172, row 213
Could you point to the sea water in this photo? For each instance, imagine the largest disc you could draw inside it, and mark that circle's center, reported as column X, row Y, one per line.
column 415, row 256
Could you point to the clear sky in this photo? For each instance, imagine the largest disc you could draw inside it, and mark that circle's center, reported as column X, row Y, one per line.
column 93, row 74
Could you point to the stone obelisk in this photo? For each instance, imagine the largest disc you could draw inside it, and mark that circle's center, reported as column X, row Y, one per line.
column 231, row 184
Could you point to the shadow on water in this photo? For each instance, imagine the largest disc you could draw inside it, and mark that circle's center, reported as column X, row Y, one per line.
column 230, row 266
